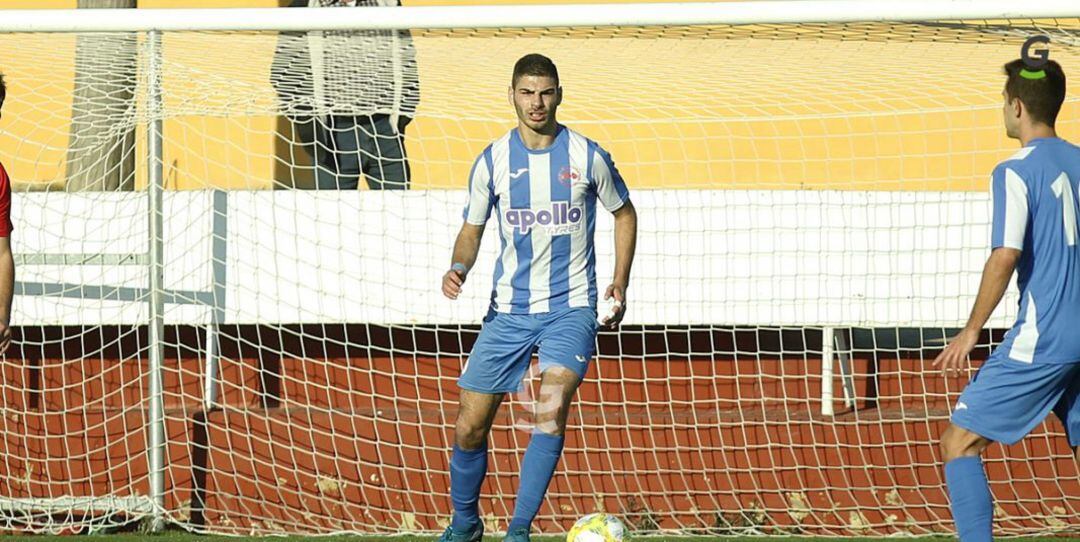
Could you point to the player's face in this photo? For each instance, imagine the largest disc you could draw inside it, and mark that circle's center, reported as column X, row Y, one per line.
column 535, row 98
column 1011, row 115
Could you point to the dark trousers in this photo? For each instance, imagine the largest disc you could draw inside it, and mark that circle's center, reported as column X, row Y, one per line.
column 346, row 147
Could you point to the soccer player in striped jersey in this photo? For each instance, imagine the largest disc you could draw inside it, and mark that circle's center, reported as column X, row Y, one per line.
column 1036, row 368
column 542, row 181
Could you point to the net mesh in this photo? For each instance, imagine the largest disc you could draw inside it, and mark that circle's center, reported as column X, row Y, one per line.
column 802, row 189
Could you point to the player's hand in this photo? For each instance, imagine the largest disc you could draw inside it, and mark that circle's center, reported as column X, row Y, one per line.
column 451, row 283
column 5, row 337
column 952, row 359
column 618, row 293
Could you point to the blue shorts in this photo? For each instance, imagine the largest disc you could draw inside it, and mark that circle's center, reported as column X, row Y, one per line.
column 501, row 355
column 1006, row 399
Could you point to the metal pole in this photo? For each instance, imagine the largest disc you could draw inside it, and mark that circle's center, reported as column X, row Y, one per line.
column 211, row 367
column 847, row 375
column 157, row 303
column 213, row 331
column 827, row 371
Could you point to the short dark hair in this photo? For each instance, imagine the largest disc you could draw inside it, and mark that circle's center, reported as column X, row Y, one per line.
column 535, row 64
column 3, row 89
column 1043, row 96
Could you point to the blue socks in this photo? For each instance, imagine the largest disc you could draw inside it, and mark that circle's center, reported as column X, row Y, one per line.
column 467, row 471
column 969, row 493
column 541, row 458
column 468, row 468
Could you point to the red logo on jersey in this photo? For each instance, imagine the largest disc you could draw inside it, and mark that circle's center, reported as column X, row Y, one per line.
column 569, row 175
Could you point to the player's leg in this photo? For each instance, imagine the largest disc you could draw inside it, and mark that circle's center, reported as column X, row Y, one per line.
column 1068, row 411
column 386, row 166
column 965, row 478
column 1004, row 401
column 557, row 387
column 496, row 365
column 567, row 344
column 468, row 461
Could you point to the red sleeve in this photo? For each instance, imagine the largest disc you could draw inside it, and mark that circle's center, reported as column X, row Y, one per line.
column 5, row 203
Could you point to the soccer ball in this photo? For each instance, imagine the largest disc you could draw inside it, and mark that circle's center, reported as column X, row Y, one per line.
column 598, row 528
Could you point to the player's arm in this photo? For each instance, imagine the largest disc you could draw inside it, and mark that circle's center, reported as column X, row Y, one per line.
column 7, row 262
column 466, row 248
column 995, row 279
column 1010, row 222
column 477, row 211
column 612, row 192
column 7, row 291
column 625, row 244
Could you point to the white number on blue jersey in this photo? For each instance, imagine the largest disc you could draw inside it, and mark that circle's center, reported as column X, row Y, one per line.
column 1034, row 198
column 1064, row 192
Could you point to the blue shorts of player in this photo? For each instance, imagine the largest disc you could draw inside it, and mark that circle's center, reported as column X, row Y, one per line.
column 1006, row 399
column 502, row 352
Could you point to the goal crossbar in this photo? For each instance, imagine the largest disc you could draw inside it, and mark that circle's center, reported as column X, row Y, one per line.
column 570, row 15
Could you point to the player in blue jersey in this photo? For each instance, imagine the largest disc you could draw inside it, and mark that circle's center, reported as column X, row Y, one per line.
column 542, row 181
column 1036, row 368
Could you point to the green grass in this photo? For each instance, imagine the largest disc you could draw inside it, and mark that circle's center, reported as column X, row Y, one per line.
column 198, row 538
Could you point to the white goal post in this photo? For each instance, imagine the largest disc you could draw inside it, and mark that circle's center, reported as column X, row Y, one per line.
column 565, row 16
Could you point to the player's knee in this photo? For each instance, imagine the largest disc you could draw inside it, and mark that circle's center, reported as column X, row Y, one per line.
column 959, row 442
column 551, row 429
column 951, row 444
column 551, row 424
column 556, row 393
column 469, row 433
column 468, row 436
column 551, row 414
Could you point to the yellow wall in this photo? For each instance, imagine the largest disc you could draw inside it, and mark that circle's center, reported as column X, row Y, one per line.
column 716, row 131
column 198, row 150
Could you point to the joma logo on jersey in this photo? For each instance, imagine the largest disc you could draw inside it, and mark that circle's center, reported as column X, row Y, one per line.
column 560, row 219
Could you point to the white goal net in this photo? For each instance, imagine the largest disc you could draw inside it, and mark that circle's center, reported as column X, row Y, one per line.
column 813, row 219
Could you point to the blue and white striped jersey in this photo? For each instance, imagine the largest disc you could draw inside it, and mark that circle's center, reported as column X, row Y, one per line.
column 1035, row 210
column 545, row 204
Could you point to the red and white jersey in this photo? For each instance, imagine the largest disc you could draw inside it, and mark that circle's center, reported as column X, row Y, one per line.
column 5, row 203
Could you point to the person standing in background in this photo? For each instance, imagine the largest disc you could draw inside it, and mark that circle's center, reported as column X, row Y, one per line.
column 349, row 96
column 7, row 261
